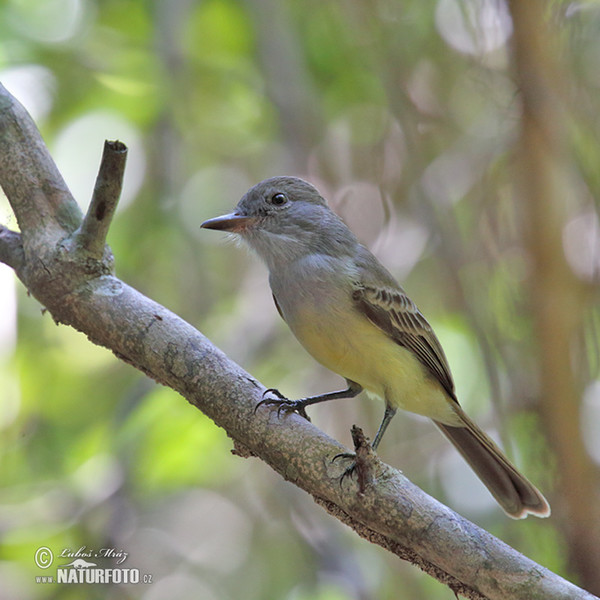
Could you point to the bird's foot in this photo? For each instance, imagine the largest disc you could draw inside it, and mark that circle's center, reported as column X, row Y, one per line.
column 350, row 469
column 282, row 403
column 362, row 464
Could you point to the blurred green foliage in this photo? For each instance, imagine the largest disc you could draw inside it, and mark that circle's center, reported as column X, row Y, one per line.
column 405, row 115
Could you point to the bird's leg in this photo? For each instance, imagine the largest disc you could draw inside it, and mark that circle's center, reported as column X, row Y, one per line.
column 356, row 465
column 299, row 406
column 388, row 415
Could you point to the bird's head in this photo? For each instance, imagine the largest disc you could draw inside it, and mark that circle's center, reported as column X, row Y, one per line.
column 282, row 218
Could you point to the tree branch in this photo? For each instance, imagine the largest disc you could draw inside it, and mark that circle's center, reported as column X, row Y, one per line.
column 83, row 293
column 91, row 235
column 11, row 249
column 30, row 178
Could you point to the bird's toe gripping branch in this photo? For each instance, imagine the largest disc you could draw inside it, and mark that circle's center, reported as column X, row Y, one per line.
column 282, row 403
column 363, row 456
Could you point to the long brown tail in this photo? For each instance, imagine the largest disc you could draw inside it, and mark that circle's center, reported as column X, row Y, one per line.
column 515, row 494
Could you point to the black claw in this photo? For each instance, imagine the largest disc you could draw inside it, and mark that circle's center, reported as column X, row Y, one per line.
column 268, row 401
column 363, row 461
column 343, row 455
column 351, row 469
column 282, row 403
column 349, row 472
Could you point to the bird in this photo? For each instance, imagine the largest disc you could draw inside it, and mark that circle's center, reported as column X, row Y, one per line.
column 353, row 317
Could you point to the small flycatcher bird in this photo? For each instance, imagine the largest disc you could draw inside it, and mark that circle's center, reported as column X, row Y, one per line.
column 351, row 315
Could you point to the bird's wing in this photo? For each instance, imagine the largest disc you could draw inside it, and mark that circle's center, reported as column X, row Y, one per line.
column 398, row 317
column 278, row 307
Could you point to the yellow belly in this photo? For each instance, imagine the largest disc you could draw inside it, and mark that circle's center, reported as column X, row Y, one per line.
column 353, row 347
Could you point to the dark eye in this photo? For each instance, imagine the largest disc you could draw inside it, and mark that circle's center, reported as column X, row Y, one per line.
column 278, row 199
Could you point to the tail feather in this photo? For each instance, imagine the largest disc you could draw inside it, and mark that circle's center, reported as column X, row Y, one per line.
column 515, row 494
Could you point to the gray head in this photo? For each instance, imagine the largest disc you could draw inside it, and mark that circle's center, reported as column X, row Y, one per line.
column 284, row 218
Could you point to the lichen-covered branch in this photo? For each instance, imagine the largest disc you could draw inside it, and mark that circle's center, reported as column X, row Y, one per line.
column 80, row 290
